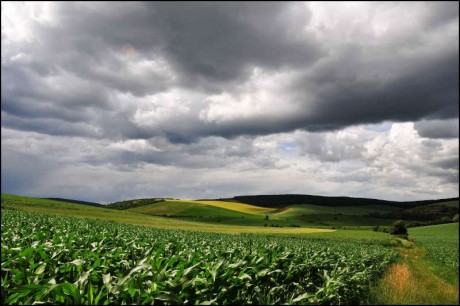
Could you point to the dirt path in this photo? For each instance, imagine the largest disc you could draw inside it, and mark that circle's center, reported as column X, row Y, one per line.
column 412, row 281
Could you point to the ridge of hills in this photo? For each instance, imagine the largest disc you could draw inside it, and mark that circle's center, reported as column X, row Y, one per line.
column 295, row 208
column 227, row 212
column 278, row 201
column 283, row 200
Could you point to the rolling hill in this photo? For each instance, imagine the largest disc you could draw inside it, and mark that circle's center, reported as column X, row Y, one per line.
column 274, row 210
column 232, row 213
column 75, row 202
column 60, row 208
column 289, row 210
column 283, row 200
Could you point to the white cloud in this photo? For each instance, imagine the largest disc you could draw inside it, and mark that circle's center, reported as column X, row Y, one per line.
column 262, row 95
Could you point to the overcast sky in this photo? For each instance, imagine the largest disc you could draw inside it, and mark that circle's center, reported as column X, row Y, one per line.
column 111, row 101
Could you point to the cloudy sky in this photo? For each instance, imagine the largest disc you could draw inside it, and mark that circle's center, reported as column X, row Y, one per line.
column 111, row 101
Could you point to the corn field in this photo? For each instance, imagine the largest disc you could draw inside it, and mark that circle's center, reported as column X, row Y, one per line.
column 64, row 260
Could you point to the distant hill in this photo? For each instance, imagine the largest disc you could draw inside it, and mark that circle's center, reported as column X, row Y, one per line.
column 427, row 210
column 283, row 200
column 436, row 211
column 76, row 202
column 134, row 203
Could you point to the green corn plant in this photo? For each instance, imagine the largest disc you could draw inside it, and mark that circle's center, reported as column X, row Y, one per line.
column 65, row 260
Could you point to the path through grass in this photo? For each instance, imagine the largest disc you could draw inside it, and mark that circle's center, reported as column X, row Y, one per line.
column 412, row 281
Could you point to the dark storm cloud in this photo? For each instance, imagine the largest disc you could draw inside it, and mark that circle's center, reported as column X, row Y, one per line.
column 426, row 89
column 205, row 41
column 77, row 66
column 26, row 94
column 219, row 40
column 437, row 128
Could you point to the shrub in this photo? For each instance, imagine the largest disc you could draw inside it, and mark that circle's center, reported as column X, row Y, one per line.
column 398, row 228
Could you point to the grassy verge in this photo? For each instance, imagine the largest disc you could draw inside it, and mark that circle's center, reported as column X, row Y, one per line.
column 412, row 281
column 441, row 243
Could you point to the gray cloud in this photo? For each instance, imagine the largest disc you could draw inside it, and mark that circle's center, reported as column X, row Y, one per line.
column 77, row 65
column 437, row 128
column 23, row 171
column 213, row 88
column 319, row 146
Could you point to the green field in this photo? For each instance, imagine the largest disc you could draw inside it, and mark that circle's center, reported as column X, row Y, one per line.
column 182, row 252
column 309, row 209
column 70, row 260
column 249, row 215
column 126, row 216
column 441, row 243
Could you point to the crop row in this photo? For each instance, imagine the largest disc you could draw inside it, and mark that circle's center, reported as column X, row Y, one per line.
column 52, row 259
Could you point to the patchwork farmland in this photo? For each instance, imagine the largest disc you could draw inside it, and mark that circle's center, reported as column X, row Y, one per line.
column 160, row 253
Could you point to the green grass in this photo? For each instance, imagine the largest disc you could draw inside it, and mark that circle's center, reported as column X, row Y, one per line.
column 13, row 201
column 441, row 243
column 427, row 273
column 412, row 281
column 308, row 209
column 236, row 206
column 192, row 211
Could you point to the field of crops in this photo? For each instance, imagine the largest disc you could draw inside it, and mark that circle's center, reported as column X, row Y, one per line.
column 441, row 242
column 69, row 260
column 51, row 207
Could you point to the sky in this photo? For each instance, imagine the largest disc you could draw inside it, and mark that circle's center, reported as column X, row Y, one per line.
column 113, row 101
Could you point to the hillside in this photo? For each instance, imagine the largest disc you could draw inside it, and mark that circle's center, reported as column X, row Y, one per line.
column 75, row 202
column 233, row 213
column 59, row 208
column 286, row 210
column 436, row 211
column 134, row 203
column 283, row 200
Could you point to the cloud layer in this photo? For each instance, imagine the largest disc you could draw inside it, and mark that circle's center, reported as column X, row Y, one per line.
column 131, row 87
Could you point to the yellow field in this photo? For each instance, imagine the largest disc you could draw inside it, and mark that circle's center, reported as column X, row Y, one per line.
column 240, row 207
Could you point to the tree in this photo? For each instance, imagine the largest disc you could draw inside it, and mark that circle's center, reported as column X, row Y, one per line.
column 266, row 217
column 398, row 228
